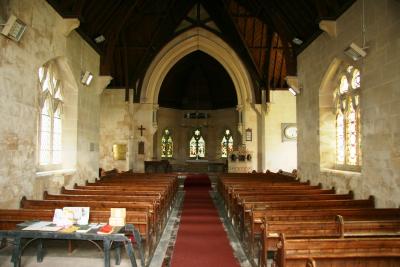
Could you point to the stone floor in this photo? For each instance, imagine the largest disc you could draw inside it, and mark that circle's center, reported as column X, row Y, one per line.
column 87, row 255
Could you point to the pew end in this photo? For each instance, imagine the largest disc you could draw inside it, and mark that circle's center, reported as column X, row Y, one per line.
column 351, row 193
column 311, row 263
column 22, row 202
column 340, row 225
column 62, row 190
column 371, row 199
column 45, row 194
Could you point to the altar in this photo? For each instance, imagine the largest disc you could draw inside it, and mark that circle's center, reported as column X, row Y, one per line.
column 196, row 165
column 203, row 165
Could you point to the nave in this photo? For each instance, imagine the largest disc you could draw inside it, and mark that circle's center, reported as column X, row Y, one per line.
column 270, row 219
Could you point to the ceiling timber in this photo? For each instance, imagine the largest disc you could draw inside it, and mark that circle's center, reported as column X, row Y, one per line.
column 261, row 32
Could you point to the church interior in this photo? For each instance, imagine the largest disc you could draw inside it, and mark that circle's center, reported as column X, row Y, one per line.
column 230, row 132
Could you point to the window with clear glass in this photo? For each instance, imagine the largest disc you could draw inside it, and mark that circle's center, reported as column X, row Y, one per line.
column 167, row 145
column 226, row 144
column 50, row 119
column 197, row 145
column 347, row 99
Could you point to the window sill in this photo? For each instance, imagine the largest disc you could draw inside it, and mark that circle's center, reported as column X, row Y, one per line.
column 54, row 172
column 342, row 172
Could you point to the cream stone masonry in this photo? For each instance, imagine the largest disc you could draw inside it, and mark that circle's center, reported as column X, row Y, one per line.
column 19, row 64
column 120, row 120
column 115, row 127
column 380, row 103
column 280, row 154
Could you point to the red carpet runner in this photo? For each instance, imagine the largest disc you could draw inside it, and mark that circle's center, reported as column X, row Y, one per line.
column 201, row 239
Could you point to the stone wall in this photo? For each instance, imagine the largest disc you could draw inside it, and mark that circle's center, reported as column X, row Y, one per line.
column 182, row 130
column 120, row 121
column 280, row 153
column 115, row 128
column 380, row 103
column 46, row 38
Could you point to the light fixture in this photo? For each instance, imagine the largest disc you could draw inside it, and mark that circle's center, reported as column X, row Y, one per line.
column 294, row 91
column 355, row 52
column 297, row 41
column 294, row 85
column 14, row 28
column 87, row 78
column 99, row 39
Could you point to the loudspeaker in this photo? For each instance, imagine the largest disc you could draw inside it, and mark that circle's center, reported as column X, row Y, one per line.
column 14, row 28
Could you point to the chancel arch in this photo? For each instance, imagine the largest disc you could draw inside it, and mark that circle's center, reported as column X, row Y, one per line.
column 201, row 40
column 186, row 43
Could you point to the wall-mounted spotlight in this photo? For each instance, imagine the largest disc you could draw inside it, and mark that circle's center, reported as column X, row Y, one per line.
column 294, row 91
column 14, row 28
column 297, row 41
column 87, row 78
column 355, row 52
column 99, row 39
column 294, row 85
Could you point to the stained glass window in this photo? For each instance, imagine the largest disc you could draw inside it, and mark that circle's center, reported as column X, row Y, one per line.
column 167, row 145
column 197, row 145
column 51, row 99
column 226, row 144
column 348, row 150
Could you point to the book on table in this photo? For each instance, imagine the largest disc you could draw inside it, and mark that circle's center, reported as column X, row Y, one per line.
column 42, row 226
column 106, row 229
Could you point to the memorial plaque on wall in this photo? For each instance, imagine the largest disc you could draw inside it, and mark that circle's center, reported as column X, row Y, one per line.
column 119, row 151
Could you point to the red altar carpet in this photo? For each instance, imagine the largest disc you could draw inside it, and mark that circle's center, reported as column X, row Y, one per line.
column 201, row 239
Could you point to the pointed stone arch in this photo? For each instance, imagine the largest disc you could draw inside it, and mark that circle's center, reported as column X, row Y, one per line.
column 186, row 43
column 327, row 119
column 70, row 110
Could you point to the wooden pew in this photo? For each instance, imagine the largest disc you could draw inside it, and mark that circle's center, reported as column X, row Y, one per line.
column 117, row 198
column 235, row 198
column 334, row 228
column 244, row 205
column 312, row 204
column 338, row 252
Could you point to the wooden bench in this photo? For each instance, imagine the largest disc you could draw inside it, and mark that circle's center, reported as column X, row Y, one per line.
column 307, row 204
column 334, row 228
column 338, row 252
column 244, row 205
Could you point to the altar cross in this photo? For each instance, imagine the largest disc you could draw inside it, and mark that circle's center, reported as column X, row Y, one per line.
column 141, row 129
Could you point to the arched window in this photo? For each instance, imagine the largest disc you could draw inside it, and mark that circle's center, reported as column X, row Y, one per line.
column 226, row 143
column 50, row 120
column 197, row 145
column 347, row 103
column 167, row 145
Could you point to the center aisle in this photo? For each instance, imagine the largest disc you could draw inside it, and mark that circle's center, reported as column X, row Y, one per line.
column 201, row 240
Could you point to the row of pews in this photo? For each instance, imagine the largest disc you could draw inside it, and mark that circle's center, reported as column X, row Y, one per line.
column 293, row 223
column 148, row 199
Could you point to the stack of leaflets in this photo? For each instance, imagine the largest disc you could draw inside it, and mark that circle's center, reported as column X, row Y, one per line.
column 42, row 226
column 71, row 215
column 118, row 216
